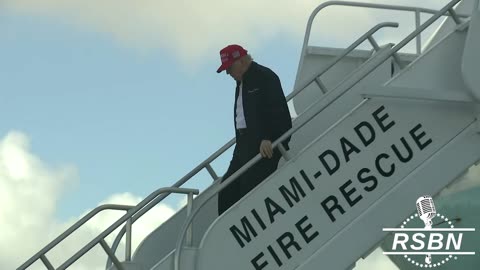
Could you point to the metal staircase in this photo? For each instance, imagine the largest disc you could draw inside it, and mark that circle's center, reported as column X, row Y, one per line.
column 397, row 127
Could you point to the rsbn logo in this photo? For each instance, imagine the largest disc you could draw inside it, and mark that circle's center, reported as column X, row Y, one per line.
column 438, row 245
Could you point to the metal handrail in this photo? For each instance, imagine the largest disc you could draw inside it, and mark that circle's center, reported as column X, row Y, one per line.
column 70, row 230
column 396, row 48
column 134, row 211
column 337, row 59
column 417, row 11
column 100, row 239
column 206, row 163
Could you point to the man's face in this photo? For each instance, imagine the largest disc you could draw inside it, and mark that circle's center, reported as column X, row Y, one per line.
column 235, row 70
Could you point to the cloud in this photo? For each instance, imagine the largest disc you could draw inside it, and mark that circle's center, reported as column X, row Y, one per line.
column 194, row 29
column 29, row 193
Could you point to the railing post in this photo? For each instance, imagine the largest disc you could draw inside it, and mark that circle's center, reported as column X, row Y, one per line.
column 374, row 43
column 419, row 36
column 128, row 248
column 320, row 84
column 110, row 254
column 46, row 262
column 377, row 47
column 211, row 171
column 284, row 152
column 189, row 235
column 454, row 16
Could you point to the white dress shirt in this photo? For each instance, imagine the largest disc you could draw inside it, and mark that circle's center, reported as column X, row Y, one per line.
column 240, row 119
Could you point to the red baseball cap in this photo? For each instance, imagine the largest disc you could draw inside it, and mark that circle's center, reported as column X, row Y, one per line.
column 230, row 54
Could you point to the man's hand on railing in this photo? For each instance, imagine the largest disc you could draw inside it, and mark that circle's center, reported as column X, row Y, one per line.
column 266, row 149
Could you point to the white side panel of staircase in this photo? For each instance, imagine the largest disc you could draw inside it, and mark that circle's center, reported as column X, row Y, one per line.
column 438, row 68
column 387, row 213
column 436, row 71
column 448, row 25
column 366, row 169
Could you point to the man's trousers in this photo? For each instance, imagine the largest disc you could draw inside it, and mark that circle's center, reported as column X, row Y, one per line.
column 246, row 148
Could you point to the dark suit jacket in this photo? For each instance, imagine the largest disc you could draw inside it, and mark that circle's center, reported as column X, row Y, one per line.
column 264, row 104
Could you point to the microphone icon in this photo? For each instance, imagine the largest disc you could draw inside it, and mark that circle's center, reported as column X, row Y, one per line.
column 426, row 211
